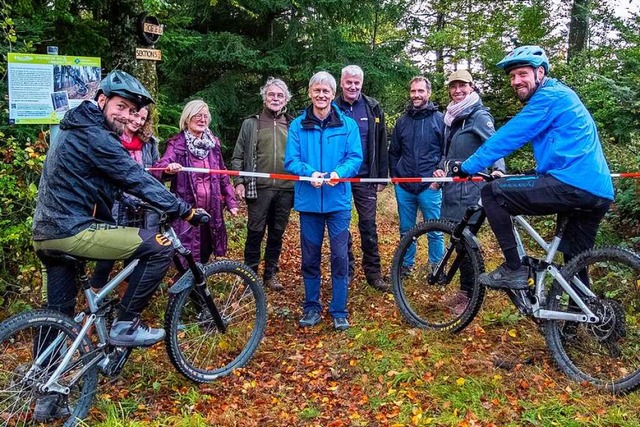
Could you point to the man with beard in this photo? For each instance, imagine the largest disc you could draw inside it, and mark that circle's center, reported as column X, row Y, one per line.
column 82, row 174
column 260, row 148
column 416, row 148
column 571, row 172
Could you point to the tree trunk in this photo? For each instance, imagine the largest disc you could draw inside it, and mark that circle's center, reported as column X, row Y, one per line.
column 440, row 24
column 122, row 16
column 578, row 27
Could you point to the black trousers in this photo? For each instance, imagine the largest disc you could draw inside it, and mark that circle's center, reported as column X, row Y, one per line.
column 268, row 213
column 365, row 198
column 542, row 195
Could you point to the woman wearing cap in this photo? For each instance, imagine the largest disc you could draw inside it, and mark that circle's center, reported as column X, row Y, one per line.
column 468, row 125
column 196, row 146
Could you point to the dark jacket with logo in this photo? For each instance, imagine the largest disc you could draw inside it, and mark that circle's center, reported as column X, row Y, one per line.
column 377, row 149
column 83, row 171
column 417, row 146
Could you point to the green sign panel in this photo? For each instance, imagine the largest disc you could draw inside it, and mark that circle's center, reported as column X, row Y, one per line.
column 42, row 88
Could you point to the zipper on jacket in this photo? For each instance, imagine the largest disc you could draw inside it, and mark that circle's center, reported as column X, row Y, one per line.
column 321, row 168
column 275, row 149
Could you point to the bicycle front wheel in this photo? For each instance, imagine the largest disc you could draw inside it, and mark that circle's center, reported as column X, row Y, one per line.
column 607, row 353
column 448, row 300
column 32, row 346
column 197, row 348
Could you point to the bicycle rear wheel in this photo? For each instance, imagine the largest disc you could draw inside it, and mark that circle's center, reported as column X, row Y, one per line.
column 22, row 400
column 196, row 347
column 437, row 303
column 605, row 354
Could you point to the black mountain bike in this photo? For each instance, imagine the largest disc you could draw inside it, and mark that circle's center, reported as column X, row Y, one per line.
column 214, row 321
column 588, row 309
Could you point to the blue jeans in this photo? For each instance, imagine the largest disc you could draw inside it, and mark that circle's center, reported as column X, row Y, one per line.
column 429, row 202
column 312, row 227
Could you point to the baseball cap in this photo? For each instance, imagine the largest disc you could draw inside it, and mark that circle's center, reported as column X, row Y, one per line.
column 460, row 75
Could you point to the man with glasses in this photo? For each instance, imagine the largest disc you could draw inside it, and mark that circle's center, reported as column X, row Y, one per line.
column 260, row 148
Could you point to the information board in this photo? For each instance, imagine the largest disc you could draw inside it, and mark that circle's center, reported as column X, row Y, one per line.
column 43, row 87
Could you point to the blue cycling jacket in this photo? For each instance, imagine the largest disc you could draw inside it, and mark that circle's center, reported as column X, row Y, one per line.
column 313, row 148
column 564, row 139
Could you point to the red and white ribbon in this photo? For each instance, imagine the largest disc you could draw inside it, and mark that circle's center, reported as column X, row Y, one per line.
column 288, row 177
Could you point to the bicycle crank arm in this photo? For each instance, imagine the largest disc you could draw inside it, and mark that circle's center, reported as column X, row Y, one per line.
column 561, row 315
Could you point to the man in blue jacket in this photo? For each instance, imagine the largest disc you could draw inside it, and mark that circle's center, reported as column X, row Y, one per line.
column 325, row 145
column 572, row 171
column 416, row 148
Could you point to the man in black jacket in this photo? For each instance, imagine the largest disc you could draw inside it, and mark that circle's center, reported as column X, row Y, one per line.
column 367, row 112
column 416, row 148
column 84, row 169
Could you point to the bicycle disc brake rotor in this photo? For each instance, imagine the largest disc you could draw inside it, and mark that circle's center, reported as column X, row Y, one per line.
column 612, row 321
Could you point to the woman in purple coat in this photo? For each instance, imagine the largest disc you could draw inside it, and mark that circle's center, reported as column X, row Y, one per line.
column 196, row 146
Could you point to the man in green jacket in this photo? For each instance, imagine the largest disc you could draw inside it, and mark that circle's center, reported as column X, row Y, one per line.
column 260, row 148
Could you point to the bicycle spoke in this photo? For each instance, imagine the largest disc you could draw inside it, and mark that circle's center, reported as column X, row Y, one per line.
column 194, row 339
column 605, row 353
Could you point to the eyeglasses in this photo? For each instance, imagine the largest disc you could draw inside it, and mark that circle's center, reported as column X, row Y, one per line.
column 201, row 116
column 275, row 95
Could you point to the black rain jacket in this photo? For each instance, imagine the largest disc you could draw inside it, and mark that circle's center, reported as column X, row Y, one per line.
column 84, row 169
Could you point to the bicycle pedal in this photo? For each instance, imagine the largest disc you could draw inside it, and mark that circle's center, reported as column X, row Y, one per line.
column 113, row 364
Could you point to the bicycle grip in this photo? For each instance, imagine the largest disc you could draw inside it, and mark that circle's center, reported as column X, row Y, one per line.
column 456, row 170
column 197, row 217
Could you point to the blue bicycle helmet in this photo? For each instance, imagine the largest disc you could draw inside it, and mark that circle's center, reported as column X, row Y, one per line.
column 525, row 56
column 119, row 83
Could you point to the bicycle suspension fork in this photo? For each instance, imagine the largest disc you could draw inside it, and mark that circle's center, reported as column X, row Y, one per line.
column 457, row 245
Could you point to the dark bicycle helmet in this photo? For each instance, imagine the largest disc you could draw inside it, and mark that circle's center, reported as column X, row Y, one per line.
column 525, row 56
column 119, row 83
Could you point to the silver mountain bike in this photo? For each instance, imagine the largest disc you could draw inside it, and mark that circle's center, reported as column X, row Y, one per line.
column 214, row 321
column 589, row 309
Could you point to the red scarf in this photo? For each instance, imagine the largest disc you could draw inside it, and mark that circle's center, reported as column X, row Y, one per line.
column 134, row 145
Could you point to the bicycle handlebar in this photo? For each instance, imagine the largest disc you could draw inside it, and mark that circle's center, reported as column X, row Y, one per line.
column 200, row 215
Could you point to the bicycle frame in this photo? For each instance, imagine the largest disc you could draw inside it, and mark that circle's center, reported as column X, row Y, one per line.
column 92, row 316
column 535, row 305
column 548, row 267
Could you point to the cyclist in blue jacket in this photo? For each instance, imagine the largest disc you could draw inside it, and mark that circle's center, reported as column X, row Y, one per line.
column 571, row 172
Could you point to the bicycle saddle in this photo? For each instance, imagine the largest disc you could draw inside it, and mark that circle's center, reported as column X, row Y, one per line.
column 54, row 255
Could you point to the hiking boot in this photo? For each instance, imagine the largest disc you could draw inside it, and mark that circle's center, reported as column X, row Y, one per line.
column 50, row 407
column 310, row 318
column 134, row 333
column 340, row 324
column 380, row 284
column 505, row 278
column 273, row 284
column 457, row 303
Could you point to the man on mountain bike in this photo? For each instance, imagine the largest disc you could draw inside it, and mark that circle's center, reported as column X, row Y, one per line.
column 571, row 173
column 82, row 174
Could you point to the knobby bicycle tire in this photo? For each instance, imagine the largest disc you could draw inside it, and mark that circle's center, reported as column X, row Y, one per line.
column 605, row 354
column 29, row 333
column 437, row 306
column 196, row 347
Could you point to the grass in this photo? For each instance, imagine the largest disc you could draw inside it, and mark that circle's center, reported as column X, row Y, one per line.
column 381, row 372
